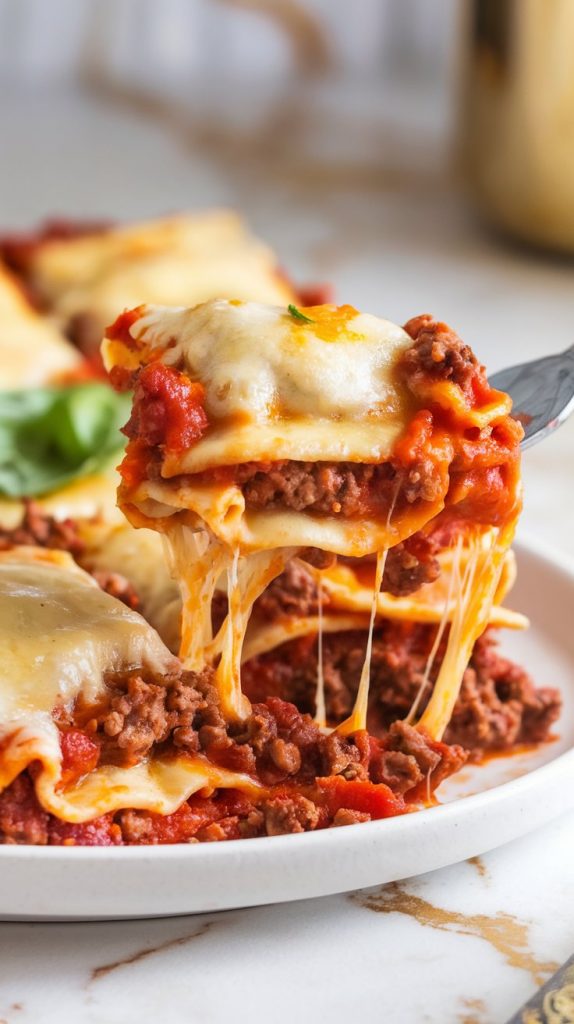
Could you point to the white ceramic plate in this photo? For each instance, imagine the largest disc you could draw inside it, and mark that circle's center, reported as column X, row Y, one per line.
column 481, row 808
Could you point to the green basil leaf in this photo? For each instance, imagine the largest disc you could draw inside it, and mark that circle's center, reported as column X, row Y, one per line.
column 52, row 436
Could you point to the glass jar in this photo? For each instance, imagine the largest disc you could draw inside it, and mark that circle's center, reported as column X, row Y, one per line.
column 517, row 122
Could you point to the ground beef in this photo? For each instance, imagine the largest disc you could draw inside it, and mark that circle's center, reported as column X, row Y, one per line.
column 408, row 566
column 438, row 353
column 294, row 592
column 342, row 757
column 499, row 705
column 346, row 489
column 316, row 781
column 41, row 530
column 498, row 708
column 346, row 816
column 284, row 816
column 22, row 820
column 143, row 710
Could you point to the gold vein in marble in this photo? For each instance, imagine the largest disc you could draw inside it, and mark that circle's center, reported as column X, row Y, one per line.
column 504, row 932
column 102, row 972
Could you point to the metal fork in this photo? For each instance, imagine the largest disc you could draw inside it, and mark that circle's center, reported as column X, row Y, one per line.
column 542, row 393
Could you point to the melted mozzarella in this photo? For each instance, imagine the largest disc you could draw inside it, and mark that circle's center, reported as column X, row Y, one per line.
column 139, row 556
column 476, row 589
column 358, row 717
column 348, row 593
column 277, row 387
column 198, row 562
column 32, row 350
column 61, row 634
column 184, row 259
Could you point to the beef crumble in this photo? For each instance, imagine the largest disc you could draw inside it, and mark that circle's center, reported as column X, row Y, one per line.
column 41, row 530
column 438, row 352
column 310, row 780
column 346, row 489
column 498, row 707
column 38, row 529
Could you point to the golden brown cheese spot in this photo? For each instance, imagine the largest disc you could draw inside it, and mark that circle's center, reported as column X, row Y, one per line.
column 329, row 323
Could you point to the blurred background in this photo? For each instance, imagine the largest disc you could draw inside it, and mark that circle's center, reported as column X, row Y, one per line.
column 404, row 151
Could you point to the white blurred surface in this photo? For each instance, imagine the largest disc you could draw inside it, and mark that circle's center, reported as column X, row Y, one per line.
column 164, row 40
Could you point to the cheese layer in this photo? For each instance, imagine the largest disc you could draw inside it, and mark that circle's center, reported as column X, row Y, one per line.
column 184, row 259
column 278, row 387
column 60, row 635
column 32, row 350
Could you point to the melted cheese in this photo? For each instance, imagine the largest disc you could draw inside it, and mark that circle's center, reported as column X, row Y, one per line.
column 320, row 705
column 185, row 259
column 198, row 562
column 32, row 350
column 61, row 634
column 139, row 556
column 358, row 717
column 347, row 592
column 277, row 387
column 473, row 602
column 453, row 588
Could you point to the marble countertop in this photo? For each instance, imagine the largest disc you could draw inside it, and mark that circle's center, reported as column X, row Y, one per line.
column 464, row 945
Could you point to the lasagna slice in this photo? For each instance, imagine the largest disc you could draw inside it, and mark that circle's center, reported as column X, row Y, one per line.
column 108, row 740
column 261, row 433
column 93, row 704
column 32, row 350
column 83, row 274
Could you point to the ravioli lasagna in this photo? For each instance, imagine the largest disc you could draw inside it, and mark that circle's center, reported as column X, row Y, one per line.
column 83, row 273
column 260, row 433
column 32, row 350
column 293, row 635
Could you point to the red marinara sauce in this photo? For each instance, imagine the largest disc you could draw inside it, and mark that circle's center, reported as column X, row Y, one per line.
column 167, row 409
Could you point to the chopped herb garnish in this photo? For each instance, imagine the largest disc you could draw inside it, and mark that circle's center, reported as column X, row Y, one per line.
column 299, row 315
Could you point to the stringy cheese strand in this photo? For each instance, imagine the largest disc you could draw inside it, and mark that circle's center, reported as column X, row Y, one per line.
column 247, row 578
column 455, row 575
column 474, row 611
column 320, row 708
column 358, row 717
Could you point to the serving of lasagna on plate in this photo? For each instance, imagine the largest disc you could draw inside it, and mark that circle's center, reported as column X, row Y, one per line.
column 289, row 620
